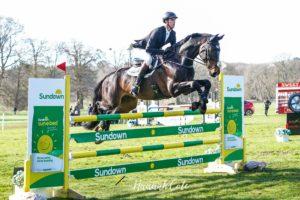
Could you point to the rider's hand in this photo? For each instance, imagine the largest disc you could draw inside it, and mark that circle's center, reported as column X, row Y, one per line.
column 168, row 52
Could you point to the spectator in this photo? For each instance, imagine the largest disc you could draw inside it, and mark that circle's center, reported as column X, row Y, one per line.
column 267, row 103
column 15, row 110
column 90, row 109
column 76, row 111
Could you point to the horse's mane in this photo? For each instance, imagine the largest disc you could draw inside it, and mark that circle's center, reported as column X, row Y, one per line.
column 184, row 40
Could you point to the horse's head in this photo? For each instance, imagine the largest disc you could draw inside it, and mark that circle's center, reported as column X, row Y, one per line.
column 209, row 52
column 206, row 46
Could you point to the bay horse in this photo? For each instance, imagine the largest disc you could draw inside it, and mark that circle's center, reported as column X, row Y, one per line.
column 175, row 76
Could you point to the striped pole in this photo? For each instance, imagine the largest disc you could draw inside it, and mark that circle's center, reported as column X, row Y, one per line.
column 92, row 118
column 155, row 147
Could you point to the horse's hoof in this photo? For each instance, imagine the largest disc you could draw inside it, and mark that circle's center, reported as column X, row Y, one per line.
column 195, row 106
column 126, row 155
column 98, row 129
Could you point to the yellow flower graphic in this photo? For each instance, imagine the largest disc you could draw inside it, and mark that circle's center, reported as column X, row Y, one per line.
column 58, row 91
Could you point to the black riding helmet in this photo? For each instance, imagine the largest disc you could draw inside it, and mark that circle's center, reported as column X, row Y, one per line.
column 169, row 15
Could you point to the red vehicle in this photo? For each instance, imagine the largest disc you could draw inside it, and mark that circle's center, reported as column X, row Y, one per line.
column 248, row 108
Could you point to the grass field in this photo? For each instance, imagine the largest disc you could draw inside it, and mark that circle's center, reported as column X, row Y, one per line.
column 281, row 180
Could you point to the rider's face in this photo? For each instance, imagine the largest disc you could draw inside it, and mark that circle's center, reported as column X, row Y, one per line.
column 171, row 23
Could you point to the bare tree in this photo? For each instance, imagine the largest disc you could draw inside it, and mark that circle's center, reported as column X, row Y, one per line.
column 16, row 84
column 51, row 59
column 38, row 48
column 118, row 59
column 82, row 70
column 9, row 31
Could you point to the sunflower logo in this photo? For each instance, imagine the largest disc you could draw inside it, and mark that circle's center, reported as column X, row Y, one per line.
column 231, row 127
column 45, row 144
column 58, row 91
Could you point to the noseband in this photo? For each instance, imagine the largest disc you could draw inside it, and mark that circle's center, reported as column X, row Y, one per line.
column 203, row 54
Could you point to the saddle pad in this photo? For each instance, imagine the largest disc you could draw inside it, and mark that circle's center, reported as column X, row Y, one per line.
column 134, row 71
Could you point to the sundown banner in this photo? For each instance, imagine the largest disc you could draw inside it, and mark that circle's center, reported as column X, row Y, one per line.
column 233, row 112
column 46, row 124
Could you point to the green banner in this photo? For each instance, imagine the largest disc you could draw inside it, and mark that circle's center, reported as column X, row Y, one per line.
column 233, row 116
column 47, row 138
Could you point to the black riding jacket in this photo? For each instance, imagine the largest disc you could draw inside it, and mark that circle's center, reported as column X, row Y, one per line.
column 155, row 40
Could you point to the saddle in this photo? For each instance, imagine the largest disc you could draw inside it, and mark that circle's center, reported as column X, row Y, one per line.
column 156, row 62
column 137, row 62
column 136, row 68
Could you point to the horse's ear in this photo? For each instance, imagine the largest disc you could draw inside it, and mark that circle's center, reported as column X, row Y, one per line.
column 220, row 37
column 215, row 38
column 212, row 38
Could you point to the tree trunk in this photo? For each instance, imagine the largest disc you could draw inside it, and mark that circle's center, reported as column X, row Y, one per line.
column 80, row 99
column 16, row 100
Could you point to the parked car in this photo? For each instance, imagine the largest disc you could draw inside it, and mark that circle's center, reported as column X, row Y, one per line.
column 248, row 108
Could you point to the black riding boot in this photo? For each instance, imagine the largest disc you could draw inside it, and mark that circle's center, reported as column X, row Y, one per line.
column 136, row 87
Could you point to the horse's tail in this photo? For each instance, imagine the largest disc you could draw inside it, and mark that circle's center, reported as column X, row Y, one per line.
column 97, row 98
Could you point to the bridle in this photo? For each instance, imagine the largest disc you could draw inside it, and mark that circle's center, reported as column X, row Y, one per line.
column 203, row 56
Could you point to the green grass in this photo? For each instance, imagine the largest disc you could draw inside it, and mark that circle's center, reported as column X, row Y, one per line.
column 281, row 180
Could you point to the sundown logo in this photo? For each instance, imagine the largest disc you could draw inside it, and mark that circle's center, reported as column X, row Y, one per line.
column 56, row 95
column 237, row 88
column 58, row 91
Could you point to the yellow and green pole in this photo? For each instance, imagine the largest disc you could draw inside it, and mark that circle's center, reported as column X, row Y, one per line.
column 93, row 118
column 155, row 147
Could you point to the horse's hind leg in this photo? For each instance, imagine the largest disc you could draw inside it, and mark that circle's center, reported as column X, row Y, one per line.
column 96, row 111
column 127, row 104
column 106, row 123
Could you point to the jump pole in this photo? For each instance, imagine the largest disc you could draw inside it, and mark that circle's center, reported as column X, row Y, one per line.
column 232, row 146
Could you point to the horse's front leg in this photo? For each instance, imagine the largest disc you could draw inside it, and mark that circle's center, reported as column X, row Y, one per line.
column 191, row 86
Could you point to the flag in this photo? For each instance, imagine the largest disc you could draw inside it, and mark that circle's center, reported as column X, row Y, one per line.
column 62, row 66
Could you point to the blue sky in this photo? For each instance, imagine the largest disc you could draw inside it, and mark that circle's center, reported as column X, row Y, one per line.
column 255, row 31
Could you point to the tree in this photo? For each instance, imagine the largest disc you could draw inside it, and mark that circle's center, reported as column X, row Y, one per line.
column 51, row 59
column 9, row 31
column 118, row 59
column 16, row 84
column 83, row 68
column 37, row 50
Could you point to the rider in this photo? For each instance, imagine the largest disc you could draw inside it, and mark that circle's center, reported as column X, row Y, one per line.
column 153, row 43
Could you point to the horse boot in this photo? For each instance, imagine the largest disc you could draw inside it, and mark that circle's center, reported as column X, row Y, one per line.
column 136, row 88
column 202, row 103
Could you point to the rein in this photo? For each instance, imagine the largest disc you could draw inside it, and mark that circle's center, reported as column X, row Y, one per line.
column 197, row 60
